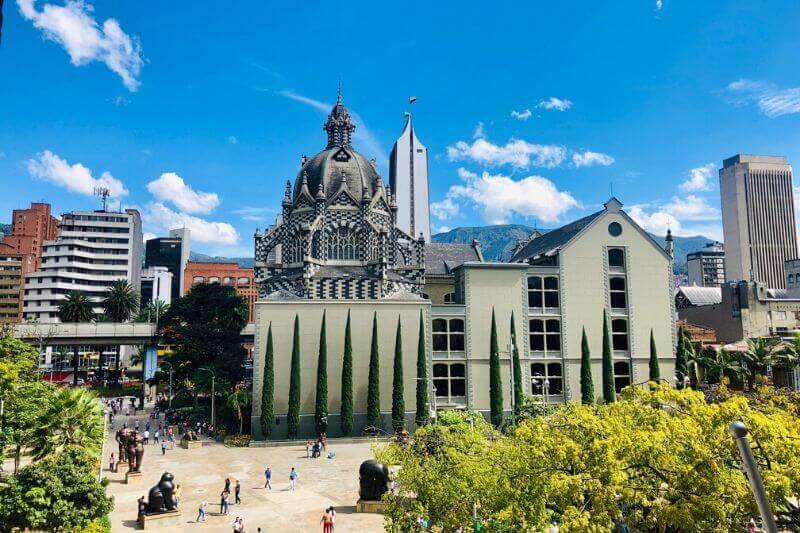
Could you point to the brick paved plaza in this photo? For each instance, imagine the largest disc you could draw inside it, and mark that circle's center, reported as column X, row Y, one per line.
column 202, row 472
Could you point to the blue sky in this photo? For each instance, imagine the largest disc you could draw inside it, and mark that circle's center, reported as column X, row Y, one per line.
column 531, row 111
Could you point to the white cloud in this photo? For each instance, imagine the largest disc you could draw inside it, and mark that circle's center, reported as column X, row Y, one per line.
column 76, row 178
column 499, row 197
column 587, row 159
column 120, row 101
column 771, row 100
column 659, row 4
column 521, row 115
column 516, row 152
column 203, row 231
column 478, row 132
column 254, row 214
column 656, row 222
column 691, row 207
column 232, row 139
column 442, row 229
column 170, row 187
column 444, row 209
column 555, row 104
column 675, row 214
column 73, row 27
column 372, row 146
column 698, row 179
column 146, row 236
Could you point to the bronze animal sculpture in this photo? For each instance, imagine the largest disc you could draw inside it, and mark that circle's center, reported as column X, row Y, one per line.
column 191, row 435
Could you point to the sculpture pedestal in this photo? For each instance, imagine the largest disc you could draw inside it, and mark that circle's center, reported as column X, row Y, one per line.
column 160, row 520
column 134, row 478
column 370, row 506
column 191, row 444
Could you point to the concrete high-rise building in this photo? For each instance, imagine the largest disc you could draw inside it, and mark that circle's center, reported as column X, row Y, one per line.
column 408, row 179
column 171, row 252
column 93, row 250
column 157, row 285
column 20, row 253
column 757, row 218
column 707, row 266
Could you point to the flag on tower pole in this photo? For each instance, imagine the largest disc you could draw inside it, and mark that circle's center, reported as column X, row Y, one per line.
column 411, row 99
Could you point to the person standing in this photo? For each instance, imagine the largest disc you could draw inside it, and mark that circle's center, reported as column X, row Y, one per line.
column 111, row 463
column 227, row 502
column 237, row 525
column 222, row 502
column 146, row 436
column 332, row 512
column 155, row 437
column 201, row 512
column 293, row 478
column 227, row 484
column 268, row 478
column 308, row 449
column 326, row 522
column 163, row 448
column 237, row 489
column 177, row 494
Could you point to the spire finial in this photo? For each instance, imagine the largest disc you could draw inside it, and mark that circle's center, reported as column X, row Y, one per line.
column 339, row 94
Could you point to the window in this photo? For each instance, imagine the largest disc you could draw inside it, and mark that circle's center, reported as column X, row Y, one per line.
column 198, row 279
column 342, row 244
column 619, row 335
column 448, row 335
column 226, row 281
column 622, row 375
column 213, row 279
column 450, row 298
column 542, row 291
column 618, row 296
column 243, row 281
column 545, row 335
column 549, row 374
column 791, row 278
column 616, row 258
column 615, row 229
column 450, row 380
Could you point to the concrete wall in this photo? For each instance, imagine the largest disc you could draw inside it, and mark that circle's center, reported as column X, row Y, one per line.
column 282, row 314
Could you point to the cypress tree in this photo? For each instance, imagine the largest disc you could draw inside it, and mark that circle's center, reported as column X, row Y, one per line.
column 519, row 395
column 346, row 414
column 398, row 400
column 374, row 384
column 495, row 381
column 422, row 377
column 681, row 360
column 587, row 383
column 293, row 413
column 268, row 388
column 655, row 372
column 321, row 405
column 609, row 392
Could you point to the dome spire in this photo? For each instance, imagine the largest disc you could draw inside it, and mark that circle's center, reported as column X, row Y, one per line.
column 339, row 125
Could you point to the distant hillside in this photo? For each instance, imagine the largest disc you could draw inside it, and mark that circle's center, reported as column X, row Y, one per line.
column 5, row 229
column 244, row 262
column 498, row 241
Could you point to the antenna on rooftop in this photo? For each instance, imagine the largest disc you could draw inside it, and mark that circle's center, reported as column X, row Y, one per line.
column 103, row 193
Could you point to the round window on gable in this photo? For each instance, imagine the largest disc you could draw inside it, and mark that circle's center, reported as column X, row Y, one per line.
column 615, row 229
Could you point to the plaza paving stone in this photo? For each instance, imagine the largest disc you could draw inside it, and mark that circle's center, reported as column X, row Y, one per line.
column 202, row 472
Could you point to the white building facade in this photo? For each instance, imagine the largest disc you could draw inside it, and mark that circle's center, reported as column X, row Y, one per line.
column 94, row 249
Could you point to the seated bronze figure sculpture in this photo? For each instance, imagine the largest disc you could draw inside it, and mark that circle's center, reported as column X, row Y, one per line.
column 373, row 480
column 161, row 498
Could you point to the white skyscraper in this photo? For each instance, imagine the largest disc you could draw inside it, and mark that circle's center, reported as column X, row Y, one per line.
column 408, row 178
column 93, row 250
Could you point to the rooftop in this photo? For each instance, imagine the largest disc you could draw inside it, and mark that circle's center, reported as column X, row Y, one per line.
column 751, row 158
column 442, row 258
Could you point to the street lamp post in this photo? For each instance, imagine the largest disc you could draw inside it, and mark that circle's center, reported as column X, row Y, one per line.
column 213, row 378
column 739, row 432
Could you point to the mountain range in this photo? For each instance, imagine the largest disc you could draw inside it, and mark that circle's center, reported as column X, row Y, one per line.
column 497, row 242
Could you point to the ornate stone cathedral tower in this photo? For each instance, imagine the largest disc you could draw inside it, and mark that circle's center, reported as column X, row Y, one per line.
column 338, row 232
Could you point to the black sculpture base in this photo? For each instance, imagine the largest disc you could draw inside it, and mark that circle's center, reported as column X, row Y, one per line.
column 160, row 520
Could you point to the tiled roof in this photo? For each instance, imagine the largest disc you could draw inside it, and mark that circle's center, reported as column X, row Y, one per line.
column 442, row 258
column 553, row 239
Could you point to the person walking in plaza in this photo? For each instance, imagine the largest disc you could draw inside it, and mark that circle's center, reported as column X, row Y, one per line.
column 236, row 490
column 268, row 478
column 227, row 484
column 332, row 512
column 308, row 449
column 238, row 525
column 155, row 437
column 201, row 512
column 163, row 448
column 326, row 522
column 293, row 478
column 111, row 463
column 146, row 437
column 177, row 493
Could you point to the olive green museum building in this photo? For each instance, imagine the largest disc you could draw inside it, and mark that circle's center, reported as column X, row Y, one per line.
column 336, row 251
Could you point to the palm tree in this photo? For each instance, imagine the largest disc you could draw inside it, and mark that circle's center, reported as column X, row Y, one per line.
column 727, row 364
column 120, row 303
column 758, row 358
column 238, row 400
column 76, row 307
column 73, row 417
column 152, row 312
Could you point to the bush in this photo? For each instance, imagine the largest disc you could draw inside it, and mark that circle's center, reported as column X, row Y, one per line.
column 237, row 441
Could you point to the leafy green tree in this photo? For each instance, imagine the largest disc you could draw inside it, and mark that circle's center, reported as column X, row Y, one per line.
column 73, row 417
column 23, row 407
column 76, row 307
column 587, row 382
column 519, row 394
column 204, row 329
column 268, row 388
column 120, row 302
column 681, row 360
column 293, row 413
column 655, row 373
column 321, row 405
column 346, row 415
column 237, row 401
column 374, row 383
column 398, row 399
column 609, row 390
column 60, row 493
column 18, row 361
column 758, row 358
column 495, row 381
column 423, row 412
column 152, row 312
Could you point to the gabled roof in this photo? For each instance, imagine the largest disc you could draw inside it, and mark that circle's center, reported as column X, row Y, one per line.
column 554, row 239
column 692, row 296
column 442, row 258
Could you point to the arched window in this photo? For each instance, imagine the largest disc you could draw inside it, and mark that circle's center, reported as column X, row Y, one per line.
column 294, row 250
column 450, row 298
column 616, row 258
column 342, row 244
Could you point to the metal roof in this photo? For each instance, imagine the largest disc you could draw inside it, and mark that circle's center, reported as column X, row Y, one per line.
column 697, row 296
